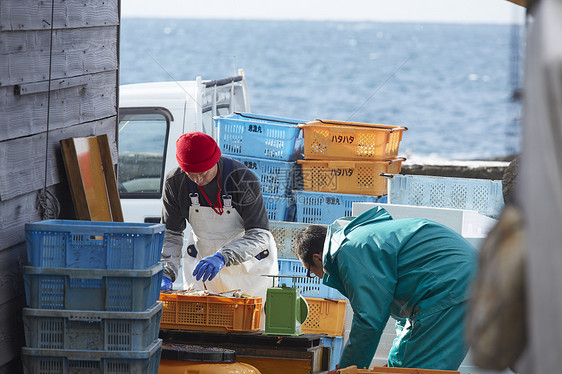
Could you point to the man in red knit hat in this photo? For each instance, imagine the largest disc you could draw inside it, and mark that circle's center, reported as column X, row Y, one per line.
column 230, row 246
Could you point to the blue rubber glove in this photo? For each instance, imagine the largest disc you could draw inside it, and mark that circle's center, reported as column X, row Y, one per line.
column 166, row 284
column 208, row 268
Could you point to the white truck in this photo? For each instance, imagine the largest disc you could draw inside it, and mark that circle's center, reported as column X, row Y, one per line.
column 151, row 117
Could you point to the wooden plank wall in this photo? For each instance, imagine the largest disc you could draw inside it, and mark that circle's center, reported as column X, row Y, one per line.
column 83, row 102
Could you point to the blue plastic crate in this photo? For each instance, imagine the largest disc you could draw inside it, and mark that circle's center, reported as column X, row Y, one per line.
column 64, row 361
column 308, row 286
column 91, row 330
column 279, row 208
column 275, row 176
column 92, row 289
column 325, row 208
column 256, row 135
column 335, row 345
column 482, row 195
column 94, row 245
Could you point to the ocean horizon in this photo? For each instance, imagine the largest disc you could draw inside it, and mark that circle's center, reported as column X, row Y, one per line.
column 451, row 85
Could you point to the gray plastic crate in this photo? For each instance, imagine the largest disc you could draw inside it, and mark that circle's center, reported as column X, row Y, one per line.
column 65, row 361
column 90, row 330
column 92, row 289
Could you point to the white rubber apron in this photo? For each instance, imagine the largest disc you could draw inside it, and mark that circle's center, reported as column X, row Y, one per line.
column 210, row 231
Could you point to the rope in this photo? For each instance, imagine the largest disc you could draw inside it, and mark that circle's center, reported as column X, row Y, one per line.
column 47, row 203
column 381, row 86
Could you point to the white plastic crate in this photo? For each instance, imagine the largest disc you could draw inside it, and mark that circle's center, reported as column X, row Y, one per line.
column 285, row 235
column 482, row 195
column 66, row 361
column 91, row 330
column 308, row 286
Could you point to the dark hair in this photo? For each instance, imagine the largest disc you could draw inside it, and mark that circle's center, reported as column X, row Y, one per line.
column 310, row 241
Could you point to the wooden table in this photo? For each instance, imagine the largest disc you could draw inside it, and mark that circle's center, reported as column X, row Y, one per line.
column 270, row 354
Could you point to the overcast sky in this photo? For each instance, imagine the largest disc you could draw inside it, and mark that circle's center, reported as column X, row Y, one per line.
column 481, row 11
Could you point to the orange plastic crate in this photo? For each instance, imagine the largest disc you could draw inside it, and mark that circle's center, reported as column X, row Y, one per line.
column 350, row 140
column 211, row 313
column 348, row 176
column 325, row 316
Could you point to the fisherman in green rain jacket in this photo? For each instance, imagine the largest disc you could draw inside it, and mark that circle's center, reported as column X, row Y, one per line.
column 415, row 270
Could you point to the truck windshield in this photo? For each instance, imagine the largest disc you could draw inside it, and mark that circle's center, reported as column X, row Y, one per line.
column 142, row 148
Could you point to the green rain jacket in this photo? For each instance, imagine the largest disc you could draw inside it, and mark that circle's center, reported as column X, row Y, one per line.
column 405, row 268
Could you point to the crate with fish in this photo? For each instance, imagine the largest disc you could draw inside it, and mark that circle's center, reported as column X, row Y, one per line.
column 350, row 140
column 200, row 310
column 256, row 135
column 92, row 289
column 91, row 330
column 64, row 361
column 347, row 176
column 276, row 177
column 325, row 208
column 93, row 245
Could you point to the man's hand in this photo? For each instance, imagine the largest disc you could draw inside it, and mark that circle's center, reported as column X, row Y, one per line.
column 209, row 267
column 166, row 284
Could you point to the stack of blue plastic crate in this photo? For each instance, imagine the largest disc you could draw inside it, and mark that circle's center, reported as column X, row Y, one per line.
column 268, row 146
column 92, row 291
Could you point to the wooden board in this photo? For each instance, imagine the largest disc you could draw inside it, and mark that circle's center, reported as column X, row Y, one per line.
column 91, row 177
column 12, row 261
column 13, row 367
column 27, row 114
column 25, row 58
column 11, row 329
column 22, row 161
column 32, row 14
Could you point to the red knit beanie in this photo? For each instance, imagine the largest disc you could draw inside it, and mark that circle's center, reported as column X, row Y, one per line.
column 197, row 152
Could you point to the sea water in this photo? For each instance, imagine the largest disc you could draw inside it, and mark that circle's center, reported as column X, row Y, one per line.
column 451, row 85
